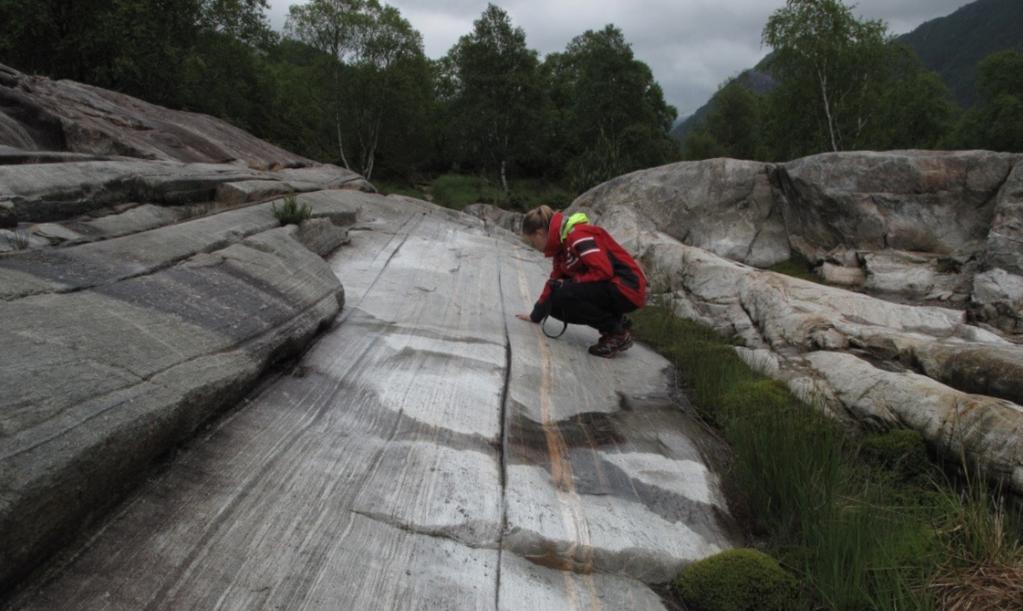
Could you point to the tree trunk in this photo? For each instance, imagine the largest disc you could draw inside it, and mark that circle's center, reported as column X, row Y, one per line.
column 504, row 177
column 373, row 147
column 340, row 143
column 337, row 115
column 823, row 80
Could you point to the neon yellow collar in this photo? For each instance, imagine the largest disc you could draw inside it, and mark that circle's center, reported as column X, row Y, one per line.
column 572, row 221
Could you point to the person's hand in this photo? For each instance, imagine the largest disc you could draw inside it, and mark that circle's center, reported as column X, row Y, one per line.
column 524, row 317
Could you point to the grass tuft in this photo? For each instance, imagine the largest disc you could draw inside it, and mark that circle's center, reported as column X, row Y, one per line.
column 19, row 239
column 290, row 213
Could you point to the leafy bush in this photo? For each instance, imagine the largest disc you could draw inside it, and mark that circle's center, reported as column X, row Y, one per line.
column 290, row 213
column 737, row 580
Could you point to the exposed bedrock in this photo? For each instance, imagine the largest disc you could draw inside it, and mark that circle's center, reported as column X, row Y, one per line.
column 116, row 351
column 430, row 450
column 929, row 201
column 998, row 289
column 33, row 193
column 38, row 113
column 934, row 226
column 967, row 393
column 723, row 205
column 496, row 217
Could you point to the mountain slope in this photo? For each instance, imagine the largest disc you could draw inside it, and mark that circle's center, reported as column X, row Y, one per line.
column 950, row 45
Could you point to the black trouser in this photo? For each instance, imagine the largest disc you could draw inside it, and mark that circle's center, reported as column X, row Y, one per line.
column 597, row 304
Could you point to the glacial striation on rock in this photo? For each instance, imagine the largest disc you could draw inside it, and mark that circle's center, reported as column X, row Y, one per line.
column 427, row 450
column 430, row 450
column 120, row 349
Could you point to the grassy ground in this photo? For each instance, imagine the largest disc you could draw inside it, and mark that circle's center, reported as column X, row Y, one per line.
column 864, row 521
column 459, row 190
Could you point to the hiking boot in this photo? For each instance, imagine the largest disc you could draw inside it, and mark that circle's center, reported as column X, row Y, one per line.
column 611, row 344
column 625, row 338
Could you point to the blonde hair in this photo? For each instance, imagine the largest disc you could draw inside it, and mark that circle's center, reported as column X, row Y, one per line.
column 536, row 219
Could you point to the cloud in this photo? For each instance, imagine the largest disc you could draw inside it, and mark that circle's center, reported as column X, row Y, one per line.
column 692, row 46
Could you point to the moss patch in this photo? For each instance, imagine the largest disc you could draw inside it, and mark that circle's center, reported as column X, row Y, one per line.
column 737, row 580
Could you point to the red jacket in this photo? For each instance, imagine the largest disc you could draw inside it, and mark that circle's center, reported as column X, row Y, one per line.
column 589, row 254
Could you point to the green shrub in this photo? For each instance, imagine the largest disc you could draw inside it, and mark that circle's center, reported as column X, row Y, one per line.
column 902, row 450
column 290, row 213
column 458, row 191
column 737, row 580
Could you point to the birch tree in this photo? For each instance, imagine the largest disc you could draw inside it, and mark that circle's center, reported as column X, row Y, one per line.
column 389, row 74
column 835, row 60
column 329, row 26
column 499, row 90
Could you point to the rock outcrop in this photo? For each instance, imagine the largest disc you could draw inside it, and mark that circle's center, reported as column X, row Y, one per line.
column 429, row 434
column 119, row 349
column 148, row 287
column 496, row 217
column 723, row 205
column 144, row 288
column 919, row 201
column 928, row 226
column 39, row 114
column 877, row 361
column 34, row 193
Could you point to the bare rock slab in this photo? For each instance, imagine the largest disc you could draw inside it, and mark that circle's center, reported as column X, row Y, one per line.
column 723, row 205
column 43, row 114
column 397, row 465
column 106, row 378
column 926, row 201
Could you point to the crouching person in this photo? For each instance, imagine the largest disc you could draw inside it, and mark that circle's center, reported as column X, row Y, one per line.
column 594, row 282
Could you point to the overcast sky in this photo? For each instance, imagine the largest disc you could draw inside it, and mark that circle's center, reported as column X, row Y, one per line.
column 691, row 45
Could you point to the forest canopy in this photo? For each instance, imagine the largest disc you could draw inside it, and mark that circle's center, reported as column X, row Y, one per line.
column 348, row 82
